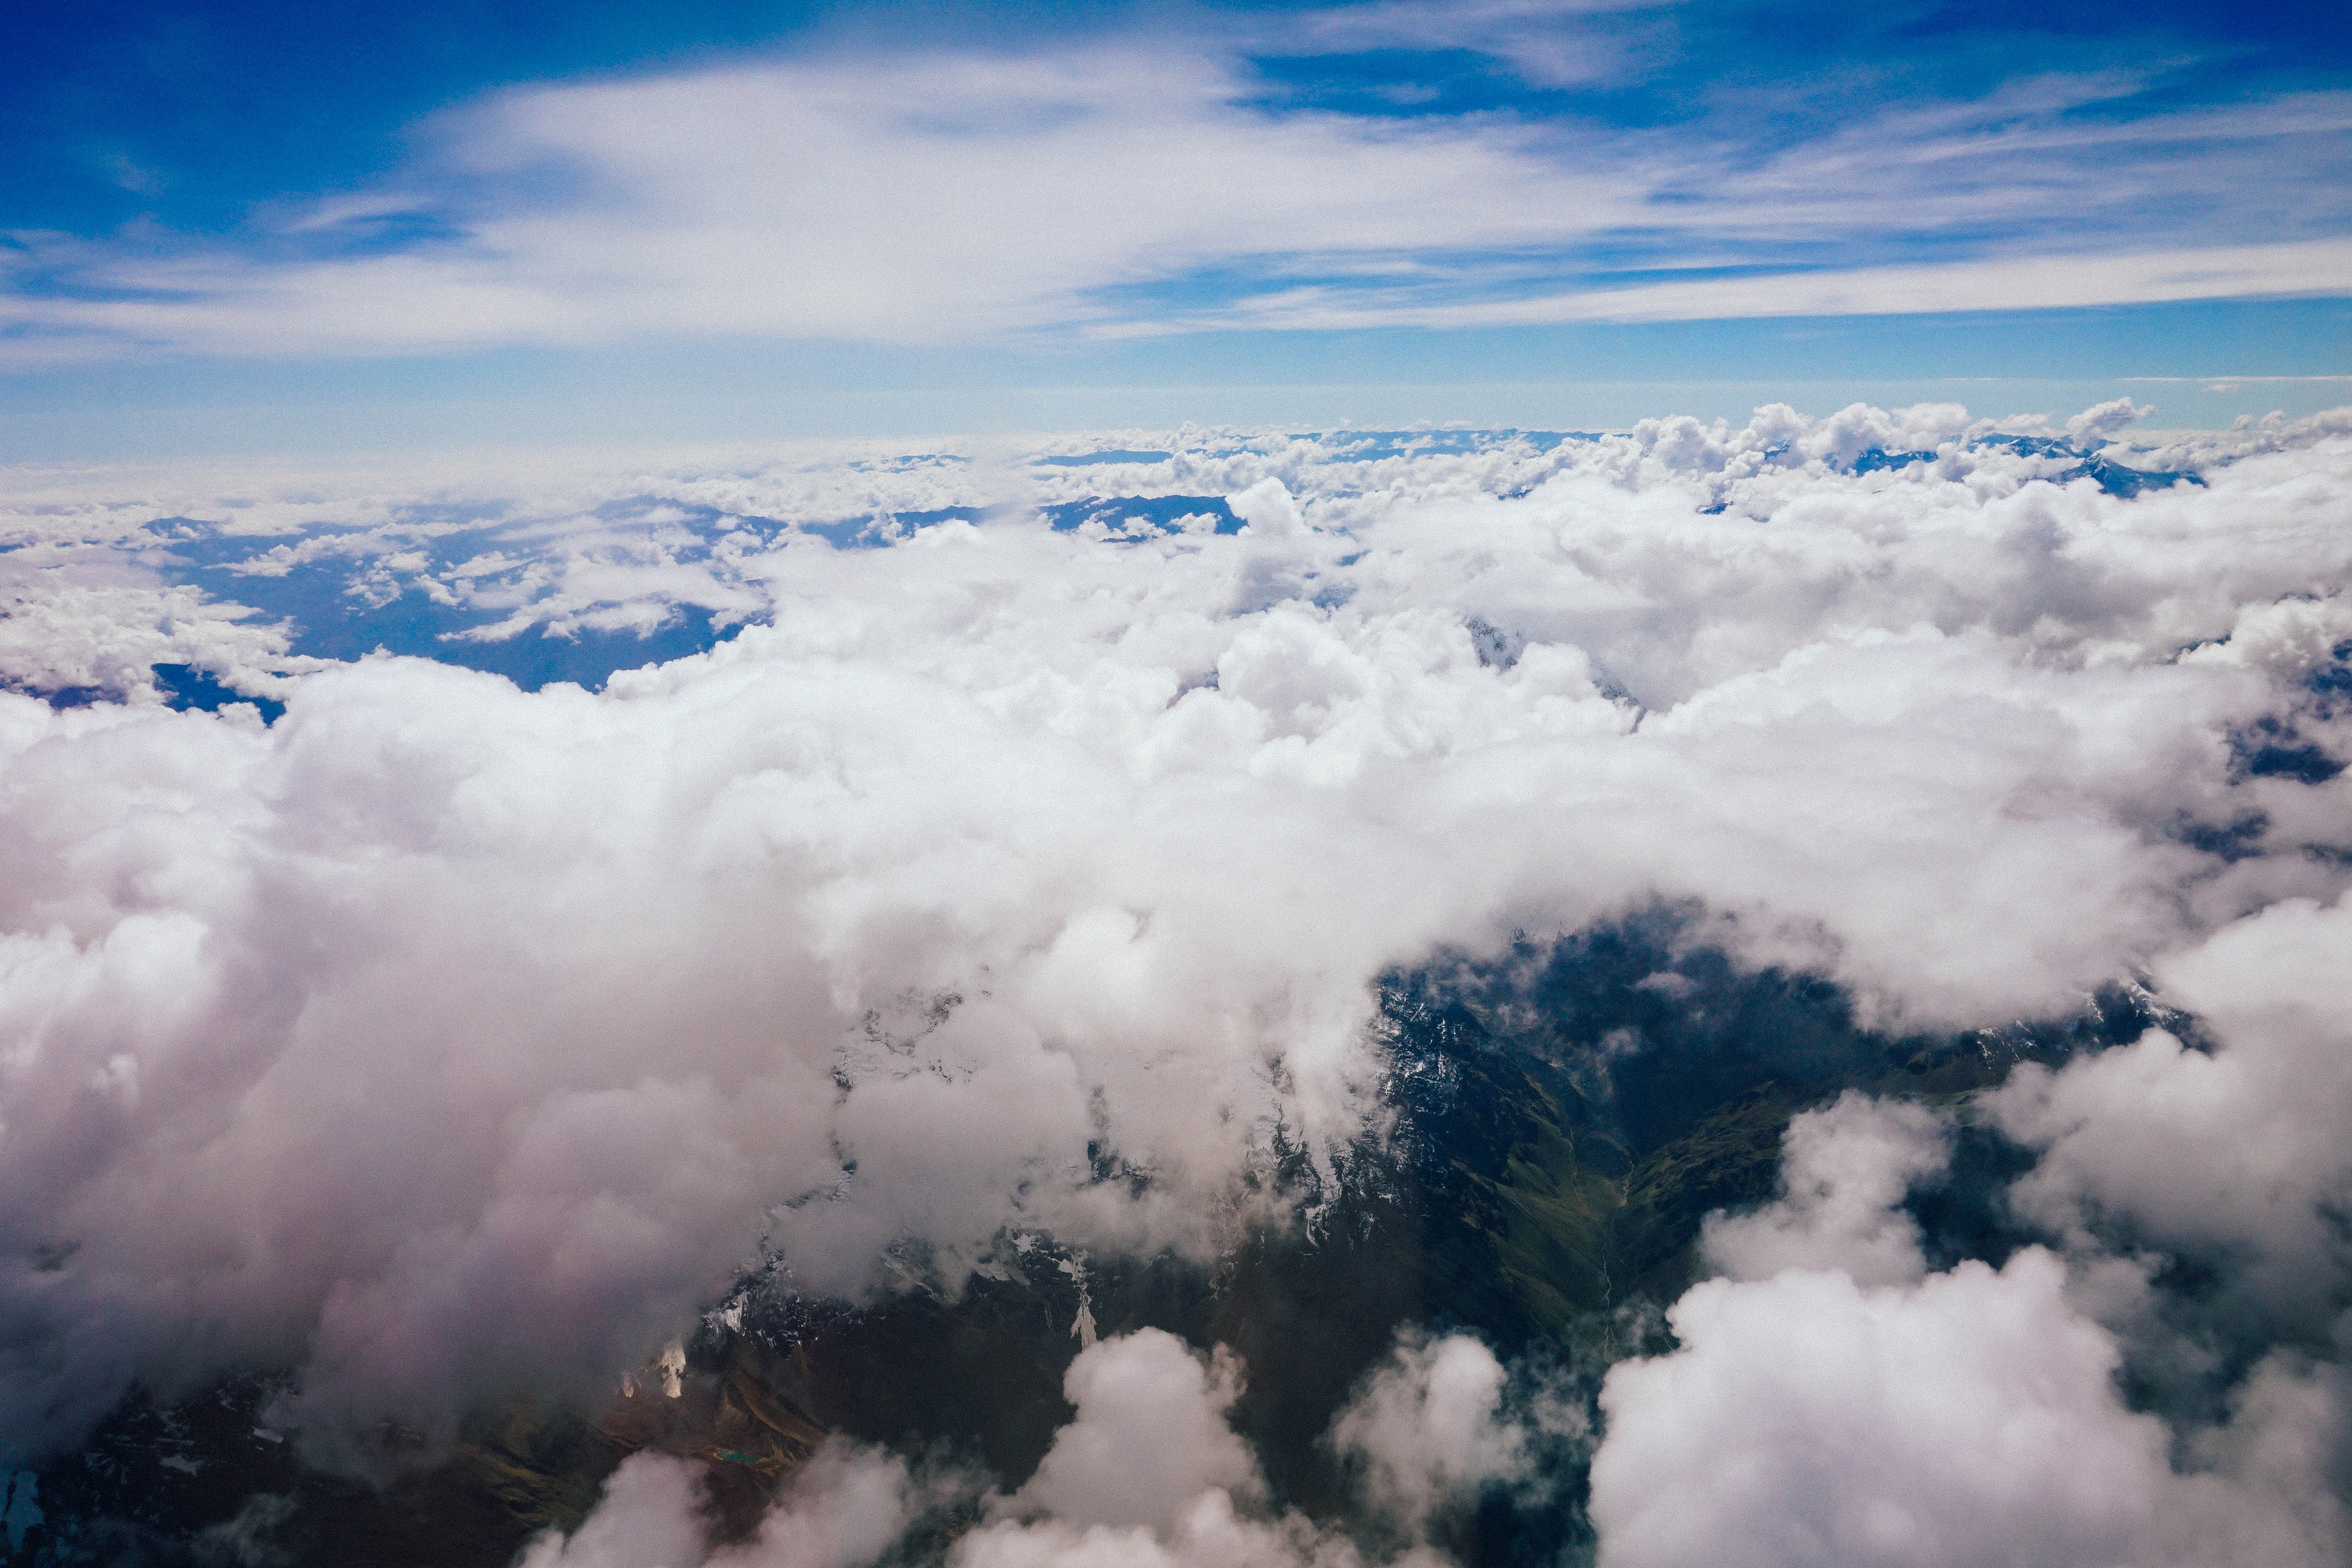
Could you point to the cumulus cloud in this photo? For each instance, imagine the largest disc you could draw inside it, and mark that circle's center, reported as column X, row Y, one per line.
column 647, row 1518
column 1844, row 1174
column 1432, row 1428
column 843, row 1507
column 2105, row 420
column 1147, row 1474
column 1971, row 1418
column 2232, row 1157
column 443, row 1040
column 1828, row 1404
column 1150, row 1437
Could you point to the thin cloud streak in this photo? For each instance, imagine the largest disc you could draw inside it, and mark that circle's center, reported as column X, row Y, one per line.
column 2032, row 283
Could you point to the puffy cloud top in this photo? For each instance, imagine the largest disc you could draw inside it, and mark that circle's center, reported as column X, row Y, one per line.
column 444, row 1038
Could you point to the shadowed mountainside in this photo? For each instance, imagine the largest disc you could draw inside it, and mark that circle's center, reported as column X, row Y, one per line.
column 1564, row 1119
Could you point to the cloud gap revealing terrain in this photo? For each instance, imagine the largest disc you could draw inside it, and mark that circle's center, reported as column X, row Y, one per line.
column 1695, row 995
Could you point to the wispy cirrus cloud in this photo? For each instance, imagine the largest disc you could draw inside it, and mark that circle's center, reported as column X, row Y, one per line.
column 2026, row 283
column 914, row 200
column 1117, row 190
column 1548, row 42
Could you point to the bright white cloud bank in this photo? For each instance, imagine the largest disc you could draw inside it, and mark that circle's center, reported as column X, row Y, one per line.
column 442, row 1038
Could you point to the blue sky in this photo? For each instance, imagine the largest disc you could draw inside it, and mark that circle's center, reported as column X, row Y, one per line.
column 347, row 224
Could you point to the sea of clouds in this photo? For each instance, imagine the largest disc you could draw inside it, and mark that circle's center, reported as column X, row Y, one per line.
column 1023, row 850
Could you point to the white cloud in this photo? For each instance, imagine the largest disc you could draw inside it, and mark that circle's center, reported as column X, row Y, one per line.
column 2235, row 1159
column 1972, row 1418
column 1554, row 43
column 843, row 1507
column 1430, row 1430
column 1977, row 1416
column 908, row 200
column 1150, row 1437
column 75, row 623
column 928, row 198
column 964, row 869
column 1845, row 1171
column 1968, row 1418
column 1147, row 1474
column 647, row 1518
column 2036, row 282
column 2008, row 283
column 2105, row 421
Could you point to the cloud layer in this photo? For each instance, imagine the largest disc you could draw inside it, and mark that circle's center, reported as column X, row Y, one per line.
column 1120, row 186
column 442, row 1040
